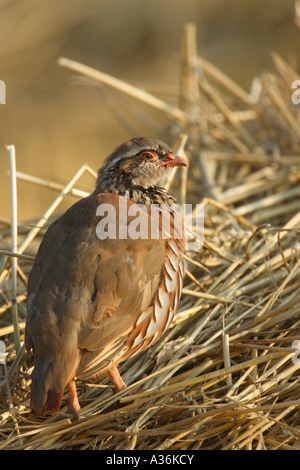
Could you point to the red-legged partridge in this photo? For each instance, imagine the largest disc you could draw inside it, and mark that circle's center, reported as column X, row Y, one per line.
column 107, row 278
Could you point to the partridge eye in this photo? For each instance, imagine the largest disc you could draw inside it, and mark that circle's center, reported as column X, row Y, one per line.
column 148, row 156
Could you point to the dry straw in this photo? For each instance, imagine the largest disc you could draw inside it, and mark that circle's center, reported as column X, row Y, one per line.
column 226, row 374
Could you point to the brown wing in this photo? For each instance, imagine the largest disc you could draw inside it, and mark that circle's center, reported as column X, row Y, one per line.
column 86, row 293
column 134, row 289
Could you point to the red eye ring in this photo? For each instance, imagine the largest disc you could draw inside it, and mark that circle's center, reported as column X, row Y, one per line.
column 148, row 156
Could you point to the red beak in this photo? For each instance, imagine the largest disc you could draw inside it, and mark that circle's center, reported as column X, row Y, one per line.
column 174, row 160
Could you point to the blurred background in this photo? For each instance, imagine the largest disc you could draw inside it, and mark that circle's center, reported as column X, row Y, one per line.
column 57, row 122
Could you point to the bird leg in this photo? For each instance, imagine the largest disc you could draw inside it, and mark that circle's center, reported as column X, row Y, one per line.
column 118, row 382
column 73, row 403
column 116, row 379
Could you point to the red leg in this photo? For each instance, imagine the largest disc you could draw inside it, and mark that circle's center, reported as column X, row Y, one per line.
column 73, row 403
column 116, row 379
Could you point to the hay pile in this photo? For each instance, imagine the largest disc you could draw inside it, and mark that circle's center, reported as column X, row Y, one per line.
column 226, row 374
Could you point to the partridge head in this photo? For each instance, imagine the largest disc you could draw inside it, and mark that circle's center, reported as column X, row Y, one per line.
column 94, row 301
